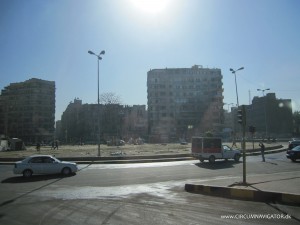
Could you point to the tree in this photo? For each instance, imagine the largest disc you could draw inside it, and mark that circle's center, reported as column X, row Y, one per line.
column 111, row 116
column 110, row 98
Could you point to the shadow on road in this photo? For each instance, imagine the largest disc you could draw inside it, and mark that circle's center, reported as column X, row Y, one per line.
column 295, row 161
column 34, row 178
column 51, row 178
column 217, row 165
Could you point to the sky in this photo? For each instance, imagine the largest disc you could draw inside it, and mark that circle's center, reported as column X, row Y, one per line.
column 50, row 40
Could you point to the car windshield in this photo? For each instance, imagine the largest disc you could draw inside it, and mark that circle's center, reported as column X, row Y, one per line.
column 297, row 148
column 226, row 148
column 55, row 159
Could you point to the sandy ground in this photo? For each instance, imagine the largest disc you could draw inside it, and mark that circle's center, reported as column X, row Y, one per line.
column 128, row 150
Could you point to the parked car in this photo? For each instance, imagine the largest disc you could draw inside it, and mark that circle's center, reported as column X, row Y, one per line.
column 44, row 164
column 293, row 143
column 293, row 154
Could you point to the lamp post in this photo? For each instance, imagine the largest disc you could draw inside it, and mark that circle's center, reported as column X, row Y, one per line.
column 236, row 90
column 265, row 101
column 243, row 126
column 98, row 59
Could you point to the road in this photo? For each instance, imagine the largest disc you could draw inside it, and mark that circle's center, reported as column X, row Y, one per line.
column 149, row 193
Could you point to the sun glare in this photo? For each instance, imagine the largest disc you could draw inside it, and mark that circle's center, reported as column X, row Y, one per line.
column 150, row 6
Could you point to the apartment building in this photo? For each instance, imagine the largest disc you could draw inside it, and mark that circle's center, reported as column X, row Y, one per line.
column 271, row 116
column 183, row 102
column 135, row 122
column 79, row 122
column 28, row 110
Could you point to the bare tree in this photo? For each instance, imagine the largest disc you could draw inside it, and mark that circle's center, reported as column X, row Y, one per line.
column 110, row 98
column 111, row 118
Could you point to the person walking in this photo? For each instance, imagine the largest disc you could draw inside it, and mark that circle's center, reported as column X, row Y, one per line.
column 56, row 145
column 38, row 146
column 234, row 143
column 262, row 150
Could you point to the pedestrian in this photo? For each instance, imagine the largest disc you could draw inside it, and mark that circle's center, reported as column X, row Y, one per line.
column 234, row 143
column 262, row 150
column 52, row 145
column 38, row 146
column 56, row 145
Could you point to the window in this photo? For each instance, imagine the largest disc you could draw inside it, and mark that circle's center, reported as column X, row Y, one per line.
column 36, row 160
column 226, row 148
column 48, row 160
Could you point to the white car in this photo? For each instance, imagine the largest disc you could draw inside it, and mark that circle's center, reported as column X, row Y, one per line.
column 44, row 164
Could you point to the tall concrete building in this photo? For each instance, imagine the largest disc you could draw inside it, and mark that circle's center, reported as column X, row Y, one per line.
column 272, row 117
column 28, row 110
column 183, row 102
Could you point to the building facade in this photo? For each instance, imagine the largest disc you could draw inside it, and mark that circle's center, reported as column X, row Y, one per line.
column 28, row 110
column 272, row 117
column 183, row 102
column 79, row 122
column 135, row 122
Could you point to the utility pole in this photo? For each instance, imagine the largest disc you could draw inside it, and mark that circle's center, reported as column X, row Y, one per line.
column 242, row 121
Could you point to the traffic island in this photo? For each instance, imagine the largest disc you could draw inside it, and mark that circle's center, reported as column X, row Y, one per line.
column 242, row 192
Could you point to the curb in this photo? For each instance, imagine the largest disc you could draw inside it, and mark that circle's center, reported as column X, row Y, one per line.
column 133, row 159
column 266, row 152
column 107, row 161
column 244, row 194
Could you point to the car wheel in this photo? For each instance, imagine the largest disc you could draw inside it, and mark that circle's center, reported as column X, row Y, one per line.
column 212, row 159
column 66, row 171
column 201, row 159
column 27, row 173
column 236, row 157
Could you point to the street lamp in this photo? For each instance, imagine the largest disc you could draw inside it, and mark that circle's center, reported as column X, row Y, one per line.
column 263, row 93
column 234, row 72
column 243, row 139
column 236, row 89
column 98, row 59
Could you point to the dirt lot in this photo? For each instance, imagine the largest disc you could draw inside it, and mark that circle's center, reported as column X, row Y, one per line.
column 128, row 150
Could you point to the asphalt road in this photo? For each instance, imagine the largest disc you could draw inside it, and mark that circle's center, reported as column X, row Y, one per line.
column 149, row 193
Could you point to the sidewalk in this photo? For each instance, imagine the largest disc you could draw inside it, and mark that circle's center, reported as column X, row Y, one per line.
column 279, row 187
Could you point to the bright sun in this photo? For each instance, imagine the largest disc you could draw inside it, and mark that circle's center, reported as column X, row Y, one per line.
column 150, row 6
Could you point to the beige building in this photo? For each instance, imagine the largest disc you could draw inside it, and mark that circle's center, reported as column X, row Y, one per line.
column 135, row 122
column 79, row 122
column 28, row 110
column 183, row 102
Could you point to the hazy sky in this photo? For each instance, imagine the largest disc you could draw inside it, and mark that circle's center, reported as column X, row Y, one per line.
column 50, row 39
